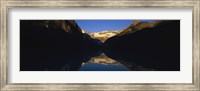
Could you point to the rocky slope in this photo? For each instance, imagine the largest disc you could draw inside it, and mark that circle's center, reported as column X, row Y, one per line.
column 84, row 31
column 153, row 45
column 136, row 25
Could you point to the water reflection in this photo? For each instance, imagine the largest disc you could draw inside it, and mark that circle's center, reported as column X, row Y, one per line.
column 102, row 63
column 50, row 60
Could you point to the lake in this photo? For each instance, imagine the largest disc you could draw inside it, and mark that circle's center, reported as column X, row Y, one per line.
column 47, row 60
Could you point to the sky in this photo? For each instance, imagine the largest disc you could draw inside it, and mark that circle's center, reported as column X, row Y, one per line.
column 102, row 25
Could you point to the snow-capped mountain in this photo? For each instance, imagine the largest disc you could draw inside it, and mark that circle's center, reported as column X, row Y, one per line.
column 85, row 31
column 104, row 35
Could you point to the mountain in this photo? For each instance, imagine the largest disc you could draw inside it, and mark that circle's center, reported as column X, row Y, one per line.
column 153, row 45
column 46, row 41
column 136, row 25
column 46, row 32
column 53, row 33
column 104, row 35
column 84, row 31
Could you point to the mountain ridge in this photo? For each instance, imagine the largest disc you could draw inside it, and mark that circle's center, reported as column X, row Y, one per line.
column 154, row 46
column 104, row 35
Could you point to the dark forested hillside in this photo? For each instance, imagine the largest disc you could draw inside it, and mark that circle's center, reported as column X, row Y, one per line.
column 45, row 41
column 155, row 47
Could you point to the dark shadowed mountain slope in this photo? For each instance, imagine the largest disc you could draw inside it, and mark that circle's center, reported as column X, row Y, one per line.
column 47, row 41
column 156, row 47
column 53, row 33
column 136, row 25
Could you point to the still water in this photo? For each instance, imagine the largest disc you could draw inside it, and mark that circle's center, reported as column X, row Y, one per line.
column 55, row 61
column 102, row 63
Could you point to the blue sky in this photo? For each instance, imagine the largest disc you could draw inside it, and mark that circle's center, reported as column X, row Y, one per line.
column 102, row 25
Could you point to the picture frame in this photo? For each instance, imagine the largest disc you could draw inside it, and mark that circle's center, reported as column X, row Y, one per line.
column 4, row 44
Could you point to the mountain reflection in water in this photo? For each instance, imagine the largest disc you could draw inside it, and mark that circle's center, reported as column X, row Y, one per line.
column 94, row 61
column 102, row 63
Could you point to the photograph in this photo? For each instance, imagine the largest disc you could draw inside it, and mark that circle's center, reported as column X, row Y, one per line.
column 100, row 45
